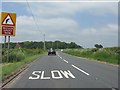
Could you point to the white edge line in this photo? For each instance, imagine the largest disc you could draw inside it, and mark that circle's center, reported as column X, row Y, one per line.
column 80, row 70
column 65, row 60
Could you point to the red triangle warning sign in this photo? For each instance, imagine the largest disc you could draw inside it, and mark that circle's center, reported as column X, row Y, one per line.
column 8, row 21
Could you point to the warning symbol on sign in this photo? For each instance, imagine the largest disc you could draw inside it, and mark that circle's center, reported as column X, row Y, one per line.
column 8, row 21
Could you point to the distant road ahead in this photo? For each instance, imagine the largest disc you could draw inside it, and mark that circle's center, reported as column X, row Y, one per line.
column 66, row 71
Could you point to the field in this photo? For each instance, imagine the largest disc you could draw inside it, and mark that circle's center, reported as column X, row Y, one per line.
column 110, row 55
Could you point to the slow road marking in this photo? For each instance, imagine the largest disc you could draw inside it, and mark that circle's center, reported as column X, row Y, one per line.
column 55, row 74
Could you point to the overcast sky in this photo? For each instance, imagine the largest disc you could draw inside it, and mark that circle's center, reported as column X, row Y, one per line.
column 85, row 23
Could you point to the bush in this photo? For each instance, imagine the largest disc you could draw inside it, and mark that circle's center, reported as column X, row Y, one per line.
column 14, row 55
column 101, row 55
column 19, row 54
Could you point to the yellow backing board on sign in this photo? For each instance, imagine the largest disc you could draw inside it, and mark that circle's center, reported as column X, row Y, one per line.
column 7, row 24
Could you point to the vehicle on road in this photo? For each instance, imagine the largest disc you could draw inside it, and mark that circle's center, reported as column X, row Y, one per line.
column 51, row 51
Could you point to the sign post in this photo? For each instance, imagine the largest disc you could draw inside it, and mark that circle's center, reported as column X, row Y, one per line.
column 5, row 43
column 7, row 27
column 8, row 48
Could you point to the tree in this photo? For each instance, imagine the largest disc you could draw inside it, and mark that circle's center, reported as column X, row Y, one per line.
column 49, row 44
column 98, row 46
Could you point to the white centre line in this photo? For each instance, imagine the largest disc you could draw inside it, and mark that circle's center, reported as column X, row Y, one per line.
column 65, row 60
column 60, row 57
column 57, row 54
column 80, row 70
column 75, row 66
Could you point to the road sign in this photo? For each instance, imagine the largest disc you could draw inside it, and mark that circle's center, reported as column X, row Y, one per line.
column 8, row 24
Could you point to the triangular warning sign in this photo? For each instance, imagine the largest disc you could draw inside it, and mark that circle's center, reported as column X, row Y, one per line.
column 8, row 21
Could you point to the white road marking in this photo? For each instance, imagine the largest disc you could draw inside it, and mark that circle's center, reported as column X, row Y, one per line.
column 59, row 75
column 43, row 77
column 55, row 74
column 60, row 57
column 67, row 74
column 80, row 70
column 36, row 75
column 57, row 54
column 74, row 66
column 65, row 60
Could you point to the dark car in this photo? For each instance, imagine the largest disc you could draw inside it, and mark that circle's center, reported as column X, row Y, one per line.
column 51, row 52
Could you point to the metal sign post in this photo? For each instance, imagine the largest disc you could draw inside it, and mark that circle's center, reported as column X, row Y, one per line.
column 8, row 48
column 5, row 43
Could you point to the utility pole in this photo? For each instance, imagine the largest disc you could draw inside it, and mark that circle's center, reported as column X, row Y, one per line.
column 44, row 41
column 52, row 44
column 57, row 45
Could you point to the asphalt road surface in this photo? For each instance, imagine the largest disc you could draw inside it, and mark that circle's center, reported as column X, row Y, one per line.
column 66, row 71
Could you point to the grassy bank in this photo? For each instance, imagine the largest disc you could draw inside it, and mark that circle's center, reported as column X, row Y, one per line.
column 109, row 55
column 18, row 59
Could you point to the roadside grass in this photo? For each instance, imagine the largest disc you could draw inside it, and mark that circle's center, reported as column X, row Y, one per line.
column 110, row 55
column 10, row 68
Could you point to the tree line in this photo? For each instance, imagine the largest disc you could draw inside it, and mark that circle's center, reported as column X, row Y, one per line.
column 48, row 44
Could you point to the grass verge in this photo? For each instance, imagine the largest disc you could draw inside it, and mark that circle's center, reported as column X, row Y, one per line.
column 10, row 68
column 110, row 55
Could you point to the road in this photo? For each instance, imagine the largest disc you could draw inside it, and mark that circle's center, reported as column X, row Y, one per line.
column 66, row 71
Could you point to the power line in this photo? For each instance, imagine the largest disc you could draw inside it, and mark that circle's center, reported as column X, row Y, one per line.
column 35, row 22
column 32, row 14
